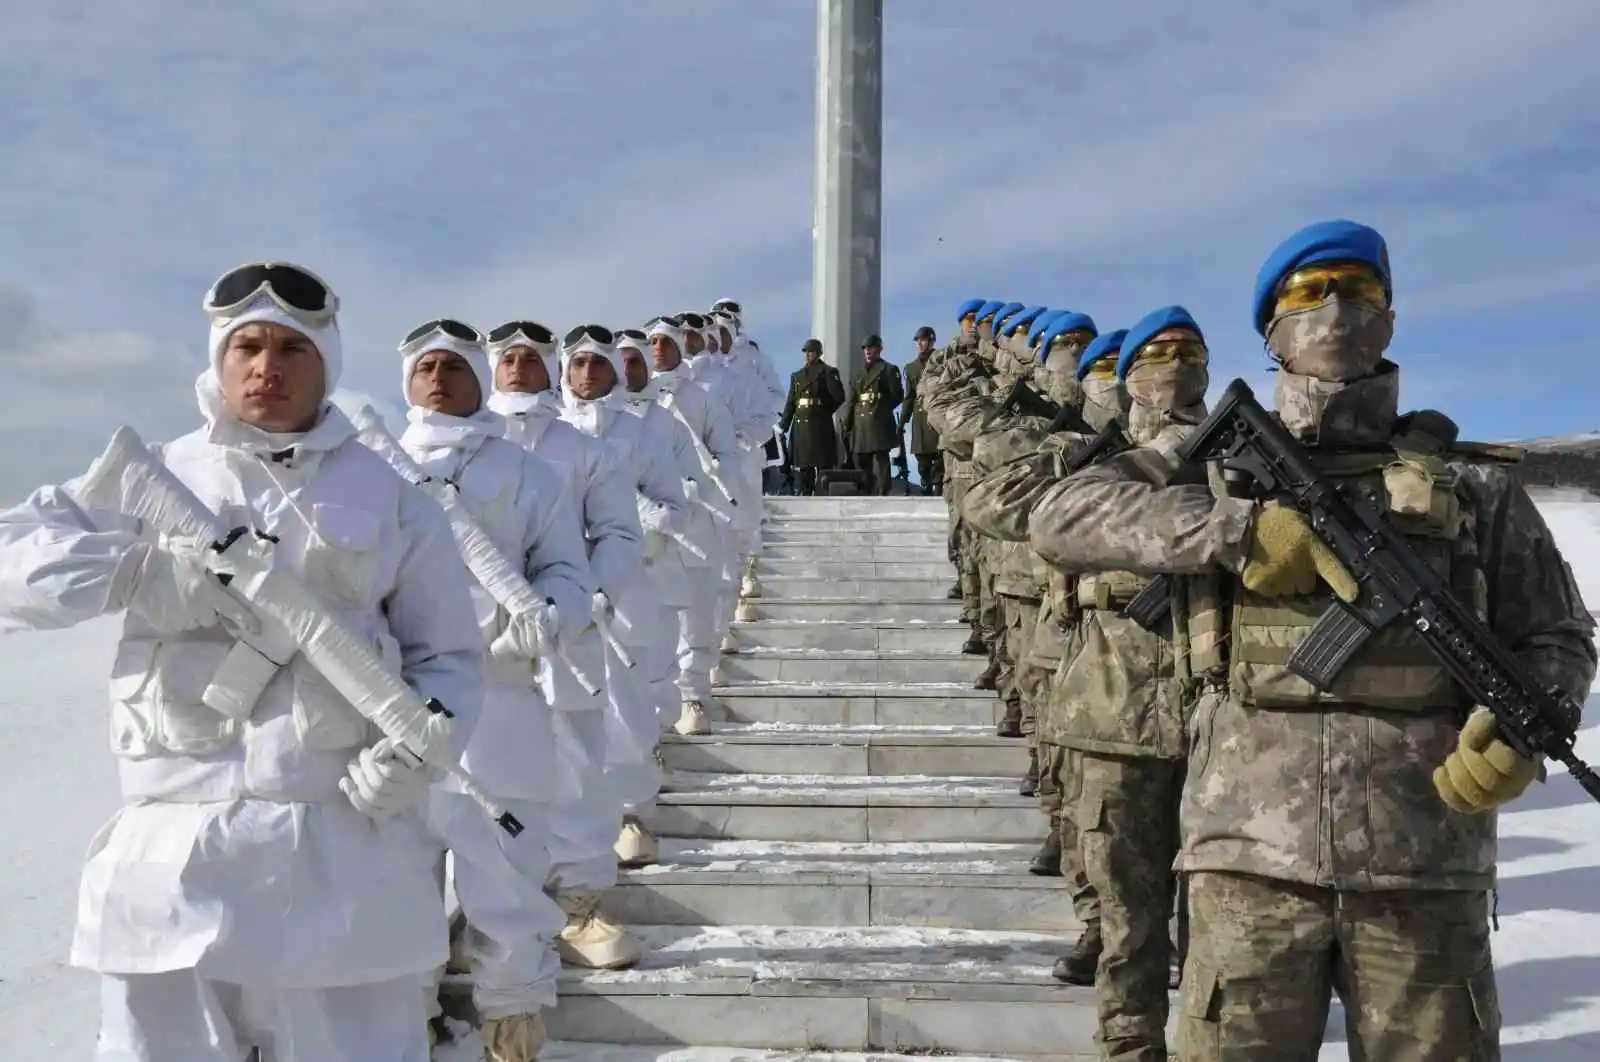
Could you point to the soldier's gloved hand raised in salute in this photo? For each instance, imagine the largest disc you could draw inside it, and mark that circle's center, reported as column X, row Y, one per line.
column 1285, row 558
column 1482, row 772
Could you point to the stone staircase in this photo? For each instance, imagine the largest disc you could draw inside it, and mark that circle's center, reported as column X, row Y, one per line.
column 844, row 860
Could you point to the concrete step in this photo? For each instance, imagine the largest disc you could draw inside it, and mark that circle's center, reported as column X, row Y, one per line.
column 876, row 522
column 856, row 610
column 800, row 588
column 844, row 508
column 808, row 665
column 784, row 537
column 927, row 554
column 945, row 637
column 910, row 704
column 930, row 751
column 744, row 807
column 971, row 885
column 571, row 1051
column 821, row 568
column 928, row 991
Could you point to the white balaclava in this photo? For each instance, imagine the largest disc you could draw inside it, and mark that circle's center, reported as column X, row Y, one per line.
column 586, row 412
column 472, row 353
column 546, row 402
column 265, row 310
column 646, row 393
column 676, row 334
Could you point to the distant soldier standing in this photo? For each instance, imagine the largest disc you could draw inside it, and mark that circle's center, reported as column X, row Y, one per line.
column 869, row 417
column 815, row 395
column 924, row 440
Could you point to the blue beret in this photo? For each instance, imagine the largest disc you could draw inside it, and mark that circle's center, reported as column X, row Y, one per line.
column 1040, row 323
column 1022, row 319
column 1005, row 312
column 1326, row 241
column 1061, row 325
column 970, row 306
column 1110, row 343
column 990, row 307
column 1151, row 325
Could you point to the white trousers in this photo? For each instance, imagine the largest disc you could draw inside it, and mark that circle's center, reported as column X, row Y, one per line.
column 511, row 922
column 182, row 1017
column 583, row 831
column 633, row 723
column 699, row 639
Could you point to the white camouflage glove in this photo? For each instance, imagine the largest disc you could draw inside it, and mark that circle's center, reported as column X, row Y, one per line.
column 653, row 517
column 381, row 782
column 529, row 634
column 174, row 590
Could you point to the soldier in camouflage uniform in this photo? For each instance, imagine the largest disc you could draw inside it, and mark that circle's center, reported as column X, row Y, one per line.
column 1341, row 841
column 960, row 354
column 1054, row 638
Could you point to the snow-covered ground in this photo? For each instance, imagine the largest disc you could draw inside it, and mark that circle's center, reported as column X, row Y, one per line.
column 57, row 786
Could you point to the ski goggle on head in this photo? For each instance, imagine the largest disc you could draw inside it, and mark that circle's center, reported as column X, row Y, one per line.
column 596, row 333
column 1308, row 288
column 298, row 292
column 521, row 334
column 419, row 337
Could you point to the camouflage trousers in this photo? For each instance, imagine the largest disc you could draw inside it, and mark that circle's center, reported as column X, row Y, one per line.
column 1412, row 968
column 1060, row 789
column 1022, row 683
column 1127, row 815
column 971, row 580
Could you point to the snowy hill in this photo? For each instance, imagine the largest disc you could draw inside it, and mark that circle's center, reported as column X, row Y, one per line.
column 57, row 787
column 1563, row 461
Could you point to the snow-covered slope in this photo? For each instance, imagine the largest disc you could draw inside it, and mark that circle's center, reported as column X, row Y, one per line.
column 57, row 786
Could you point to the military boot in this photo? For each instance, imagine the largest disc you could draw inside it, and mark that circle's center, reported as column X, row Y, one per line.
column 1030, row 781
column 954, row 593
column 974, row 646
column 988, row 681
column 518, row 1038
column 1077, row 966
column 1046, row 862
column 1010, row 725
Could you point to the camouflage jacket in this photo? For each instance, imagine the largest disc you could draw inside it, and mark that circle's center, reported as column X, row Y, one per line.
column 1332, row 793
column 1019, row 571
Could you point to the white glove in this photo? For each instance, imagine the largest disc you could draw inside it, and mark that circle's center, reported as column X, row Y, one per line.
column 600, row 606
column 381, row 781
column 653, row 517
column 529, row 634
column 174, row 590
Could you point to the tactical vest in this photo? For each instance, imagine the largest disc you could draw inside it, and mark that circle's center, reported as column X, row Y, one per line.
column 1394, row 670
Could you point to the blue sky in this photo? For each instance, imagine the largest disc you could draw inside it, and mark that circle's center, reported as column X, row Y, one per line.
column 616, row 158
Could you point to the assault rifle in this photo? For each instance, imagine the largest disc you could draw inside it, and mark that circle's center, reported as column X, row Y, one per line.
column 1024, row 401
column 1395, row 585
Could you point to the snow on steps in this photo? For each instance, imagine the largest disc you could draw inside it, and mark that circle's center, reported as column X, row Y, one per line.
column 469, row 1049
column 943, row 636
column 944, row 885
column 759, row 664
column 835, row 988
column 886, row 588
column 940, row 751
column 845, row 808
column 870, row 704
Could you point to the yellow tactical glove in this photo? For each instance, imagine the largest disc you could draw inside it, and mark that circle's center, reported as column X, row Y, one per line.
column 1483, row 772
column 1285, row 558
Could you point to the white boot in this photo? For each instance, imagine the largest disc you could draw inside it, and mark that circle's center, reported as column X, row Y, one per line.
column 694, row 720
column 591, row 939
column 730, row 644
column 746, row 612
column 716, row 675
column 636, row 846
column 514, row 1039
